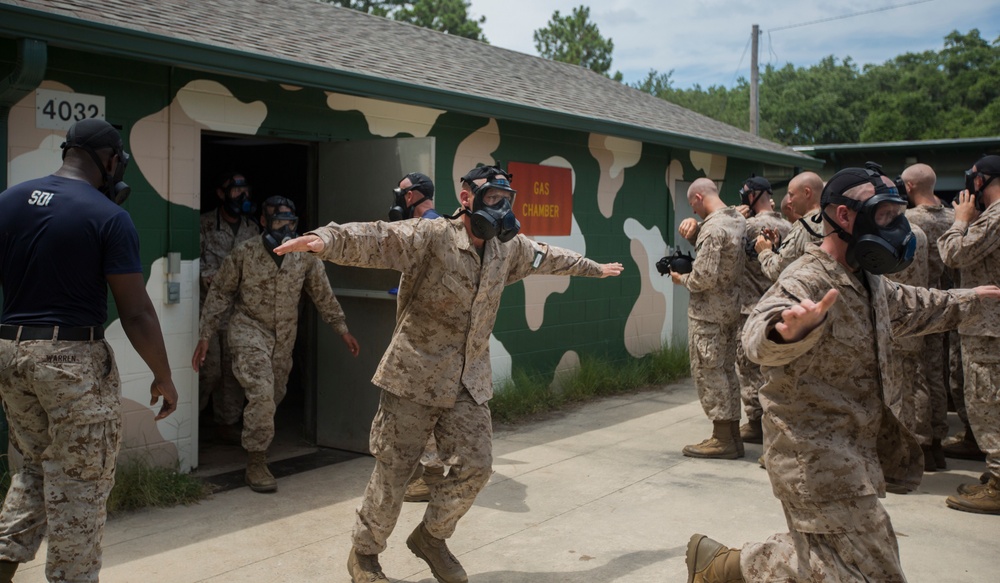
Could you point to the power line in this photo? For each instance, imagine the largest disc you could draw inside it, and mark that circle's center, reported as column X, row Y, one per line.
column 872, row 11
column 740, row 64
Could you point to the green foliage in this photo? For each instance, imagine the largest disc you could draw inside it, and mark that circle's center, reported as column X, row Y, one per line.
column 575, row 39
column 450, row 16
column 527, row 394
column 952, row 93
column 141, row 485
column 383, row 8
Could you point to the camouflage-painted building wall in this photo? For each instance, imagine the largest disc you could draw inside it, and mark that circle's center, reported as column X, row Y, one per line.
column 625, row 193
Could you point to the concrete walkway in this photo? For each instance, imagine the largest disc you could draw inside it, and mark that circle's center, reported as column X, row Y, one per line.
column 601, row 493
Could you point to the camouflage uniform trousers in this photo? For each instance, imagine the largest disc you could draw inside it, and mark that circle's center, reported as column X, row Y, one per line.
column 751, row 379
column 842, row 540
column 931, row 398
column 981, row 360
column 264, row 378
column 911, row 381
column 712, row 347
column 63, row 404
column 464, row 436
column 956, row 375
column 216, row 380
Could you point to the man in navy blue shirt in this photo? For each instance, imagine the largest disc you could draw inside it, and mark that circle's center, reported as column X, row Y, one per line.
column 64, row 240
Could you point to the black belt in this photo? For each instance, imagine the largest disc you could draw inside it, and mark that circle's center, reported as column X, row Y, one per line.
column 9, row 332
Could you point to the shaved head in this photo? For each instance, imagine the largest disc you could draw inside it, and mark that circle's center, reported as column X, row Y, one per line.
column 804, row 191
column 920, row 180
column 706, row 187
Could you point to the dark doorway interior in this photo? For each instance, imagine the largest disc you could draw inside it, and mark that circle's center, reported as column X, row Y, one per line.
column 272, row 167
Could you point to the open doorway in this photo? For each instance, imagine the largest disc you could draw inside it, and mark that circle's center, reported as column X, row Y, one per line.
column 271, row 167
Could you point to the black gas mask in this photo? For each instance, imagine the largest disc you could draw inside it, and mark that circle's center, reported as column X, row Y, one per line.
column 418, row 182
column 497, row 219
column 752, row 190
column 279, row 225
column 882, row 241
column 970, row 185
column 113, row 186
column 239, row 205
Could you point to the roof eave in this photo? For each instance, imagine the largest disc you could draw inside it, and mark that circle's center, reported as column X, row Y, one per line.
column 82, row 35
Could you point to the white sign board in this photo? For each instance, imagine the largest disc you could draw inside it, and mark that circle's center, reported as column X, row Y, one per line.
column 58, row 110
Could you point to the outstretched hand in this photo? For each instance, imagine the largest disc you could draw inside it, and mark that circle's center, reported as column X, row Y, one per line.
column 310, row 243
column 611, row 269
column 799, row 320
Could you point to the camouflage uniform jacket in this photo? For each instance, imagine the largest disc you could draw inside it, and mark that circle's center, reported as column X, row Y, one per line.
column 916, row 275
column 448, row 299
column 974, row 248
column 218, row 240
column 754, row 283
column 934, row 220
column 718, row 267
column 772, row 263
column 265, row 297
column 827, row 432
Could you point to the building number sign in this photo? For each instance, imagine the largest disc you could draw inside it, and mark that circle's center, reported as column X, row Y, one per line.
column 58, row 110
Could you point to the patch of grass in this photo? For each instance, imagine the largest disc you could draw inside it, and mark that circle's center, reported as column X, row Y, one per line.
column 525, row 394
column 141, row 485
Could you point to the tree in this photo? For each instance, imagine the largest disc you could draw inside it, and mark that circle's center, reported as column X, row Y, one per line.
column 575, row 39
column 952, row 93
column 376, row 7
column 450, row 16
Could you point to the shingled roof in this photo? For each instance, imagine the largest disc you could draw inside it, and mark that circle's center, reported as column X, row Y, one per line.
column 312, row 43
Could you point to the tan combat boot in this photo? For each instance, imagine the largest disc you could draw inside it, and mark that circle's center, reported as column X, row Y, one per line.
column 258, row 476
column 709, row 561
column 970, row 488
column 752, row 431
column 417, row 491
column 435, row 553
column 364, row 568
column 984, row 499
column 963, row 447
column 725, row 443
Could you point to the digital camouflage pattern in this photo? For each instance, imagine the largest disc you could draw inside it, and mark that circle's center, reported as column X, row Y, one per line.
column 215, row 376
column 829, row 438
column 845, row 540
column 63, row 405
column 753, row 285
column 908, row 351
column 463, row 433
column 772, row 263
column 448, row 299
column 974, row 249
column 754, row 282
column 263, row 299
column 435, row 375
column 931, row 409
column 714, row 312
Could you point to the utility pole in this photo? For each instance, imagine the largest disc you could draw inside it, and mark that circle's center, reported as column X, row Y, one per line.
column 754, row 81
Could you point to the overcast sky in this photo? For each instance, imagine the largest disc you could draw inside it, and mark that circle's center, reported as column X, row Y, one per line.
column 706, row 41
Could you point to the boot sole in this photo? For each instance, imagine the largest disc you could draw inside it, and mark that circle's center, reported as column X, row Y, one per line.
column 956, row 506
column 734, row 456
column 263, row 489
column 692, row 552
